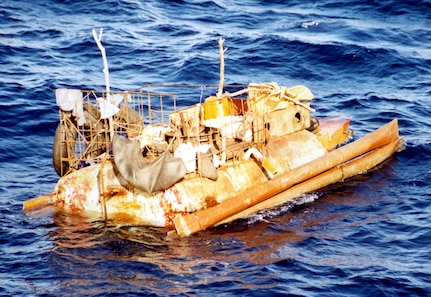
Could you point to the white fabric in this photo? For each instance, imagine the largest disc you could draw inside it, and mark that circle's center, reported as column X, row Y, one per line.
column 108, row 109
column 71, row 100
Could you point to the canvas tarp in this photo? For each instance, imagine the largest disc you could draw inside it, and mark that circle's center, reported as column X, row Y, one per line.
column 154, row 176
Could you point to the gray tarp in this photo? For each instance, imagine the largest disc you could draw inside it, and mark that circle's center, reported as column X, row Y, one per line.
column 153, row 176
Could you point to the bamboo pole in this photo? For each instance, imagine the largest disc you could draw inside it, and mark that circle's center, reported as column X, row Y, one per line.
column 191, row 223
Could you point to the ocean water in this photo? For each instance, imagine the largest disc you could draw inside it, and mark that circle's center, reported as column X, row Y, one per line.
column 368, row 60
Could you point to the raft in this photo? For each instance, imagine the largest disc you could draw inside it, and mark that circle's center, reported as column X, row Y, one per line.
column 234, row 157
column 133, row 157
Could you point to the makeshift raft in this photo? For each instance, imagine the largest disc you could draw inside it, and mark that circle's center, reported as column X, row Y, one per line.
column 203, row 165
column 134, row 158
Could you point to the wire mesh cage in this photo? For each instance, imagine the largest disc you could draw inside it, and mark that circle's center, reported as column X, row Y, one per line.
column 161, row 118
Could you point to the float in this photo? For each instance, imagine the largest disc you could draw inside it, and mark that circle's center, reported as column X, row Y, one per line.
column 134, row 157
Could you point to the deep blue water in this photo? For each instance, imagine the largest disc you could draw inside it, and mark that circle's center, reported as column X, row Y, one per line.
column 369, row 60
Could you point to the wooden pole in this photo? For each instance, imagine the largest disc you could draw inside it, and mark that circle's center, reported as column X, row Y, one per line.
column 221, row 83
column 39, row 202
column 106, row 72
column 191, row 223
column 220, row 94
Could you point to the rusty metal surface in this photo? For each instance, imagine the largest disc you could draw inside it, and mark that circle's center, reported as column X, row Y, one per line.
column 96, row 190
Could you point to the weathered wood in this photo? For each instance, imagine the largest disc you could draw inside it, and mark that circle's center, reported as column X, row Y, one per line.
column 222, row 50
column 191, row 223
column 38, row 202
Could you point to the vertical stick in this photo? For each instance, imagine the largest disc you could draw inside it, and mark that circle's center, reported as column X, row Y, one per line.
column 220, row 93
column 222, row 50
column 106, row 72
column 102, row 188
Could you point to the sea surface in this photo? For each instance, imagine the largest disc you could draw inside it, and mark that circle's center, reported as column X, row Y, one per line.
column 368, row 60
